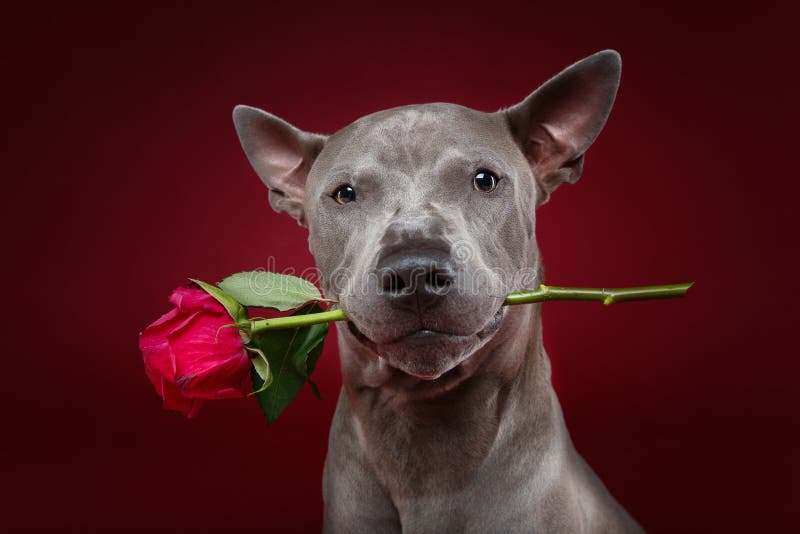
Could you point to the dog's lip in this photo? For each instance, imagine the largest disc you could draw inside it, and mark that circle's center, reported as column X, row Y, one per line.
column 364, row 340
column 421, row 334
column 491, row 327
column 493, row 324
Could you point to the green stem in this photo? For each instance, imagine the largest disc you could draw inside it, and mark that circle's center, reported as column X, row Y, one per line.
column 605, row 295
column 543, row 293
column 294, row 321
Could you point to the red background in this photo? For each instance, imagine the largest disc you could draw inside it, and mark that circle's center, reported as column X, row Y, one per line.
column 124, row 176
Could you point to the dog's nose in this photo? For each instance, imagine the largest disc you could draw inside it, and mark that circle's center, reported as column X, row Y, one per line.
column 416, row 280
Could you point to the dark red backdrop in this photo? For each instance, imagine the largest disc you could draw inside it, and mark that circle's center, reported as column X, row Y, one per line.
column 124, row 176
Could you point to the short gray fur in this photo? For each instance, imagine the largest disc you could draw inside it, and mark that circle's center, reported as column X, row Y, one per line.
column 447, row 420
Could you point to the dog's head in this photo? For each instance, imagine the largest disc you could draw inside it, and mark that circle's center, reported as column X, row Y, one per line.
column 421, row 218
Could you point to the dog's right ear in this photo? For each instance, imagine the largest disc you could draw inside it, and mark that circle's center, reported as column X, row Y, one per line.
column 281, row 156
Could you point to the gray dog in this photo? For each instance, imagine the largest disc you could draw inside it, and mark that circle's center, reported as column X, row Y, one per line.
column 421, row 218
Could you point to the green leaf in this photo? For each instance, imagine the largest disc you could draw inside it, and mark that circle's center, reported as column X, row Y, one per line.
column 307, row 367
column 261, row 367
column 270, row 290
column 234, row 308
column 292, row 355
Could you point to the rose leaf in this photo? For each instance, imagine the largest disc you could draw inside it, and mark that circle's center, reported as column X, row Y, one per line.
column 265, row 289
column 292, row 355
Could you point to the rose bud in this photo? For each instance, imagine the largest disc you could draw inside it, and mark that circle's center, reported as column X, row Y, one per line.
column 190, row 358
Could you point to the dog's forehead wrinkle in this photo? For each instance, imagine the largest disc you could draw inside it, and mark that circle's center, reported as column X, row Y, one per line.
column 417, row 160
column 413, row 170
column 411, row 128
column 369, row 167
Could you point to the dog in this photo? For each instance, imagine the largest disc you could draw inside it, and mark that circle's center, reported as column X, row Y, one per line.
column 420, row 219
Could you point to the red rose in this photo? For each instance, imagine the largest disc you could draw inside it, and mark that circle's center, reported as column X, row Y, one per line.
column 189, row 358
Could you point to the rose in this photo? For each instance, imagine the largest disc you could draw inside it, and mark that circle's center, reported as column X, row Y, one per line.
column 190, row 358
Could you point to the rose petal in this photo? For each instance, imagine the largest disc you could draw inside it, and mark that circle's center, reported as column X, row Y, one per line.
column 172, row 397
column 188, row 355
column 154, row 344
column 193, row 298
column 229, row 380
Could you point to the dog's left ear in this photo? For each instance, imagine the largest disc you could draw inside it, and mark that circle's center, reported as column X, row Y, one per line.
column 556, row 123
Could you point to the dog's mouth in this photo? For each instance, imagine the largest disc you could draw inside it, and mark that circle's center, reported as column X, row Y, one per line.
column 428, row 354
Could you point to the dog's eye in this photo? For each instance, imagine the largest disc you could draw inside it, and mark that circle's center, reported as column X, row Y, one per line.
column 344, row 194
column 484, row 181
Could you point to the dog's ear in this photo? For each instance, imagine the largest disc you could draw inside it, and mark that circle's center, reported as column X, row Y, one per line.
column 281, row 156
column 556, row 123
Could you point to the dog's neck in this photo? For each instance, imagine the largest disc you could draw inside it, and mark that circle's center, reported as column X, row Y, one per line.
column 425, row 440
